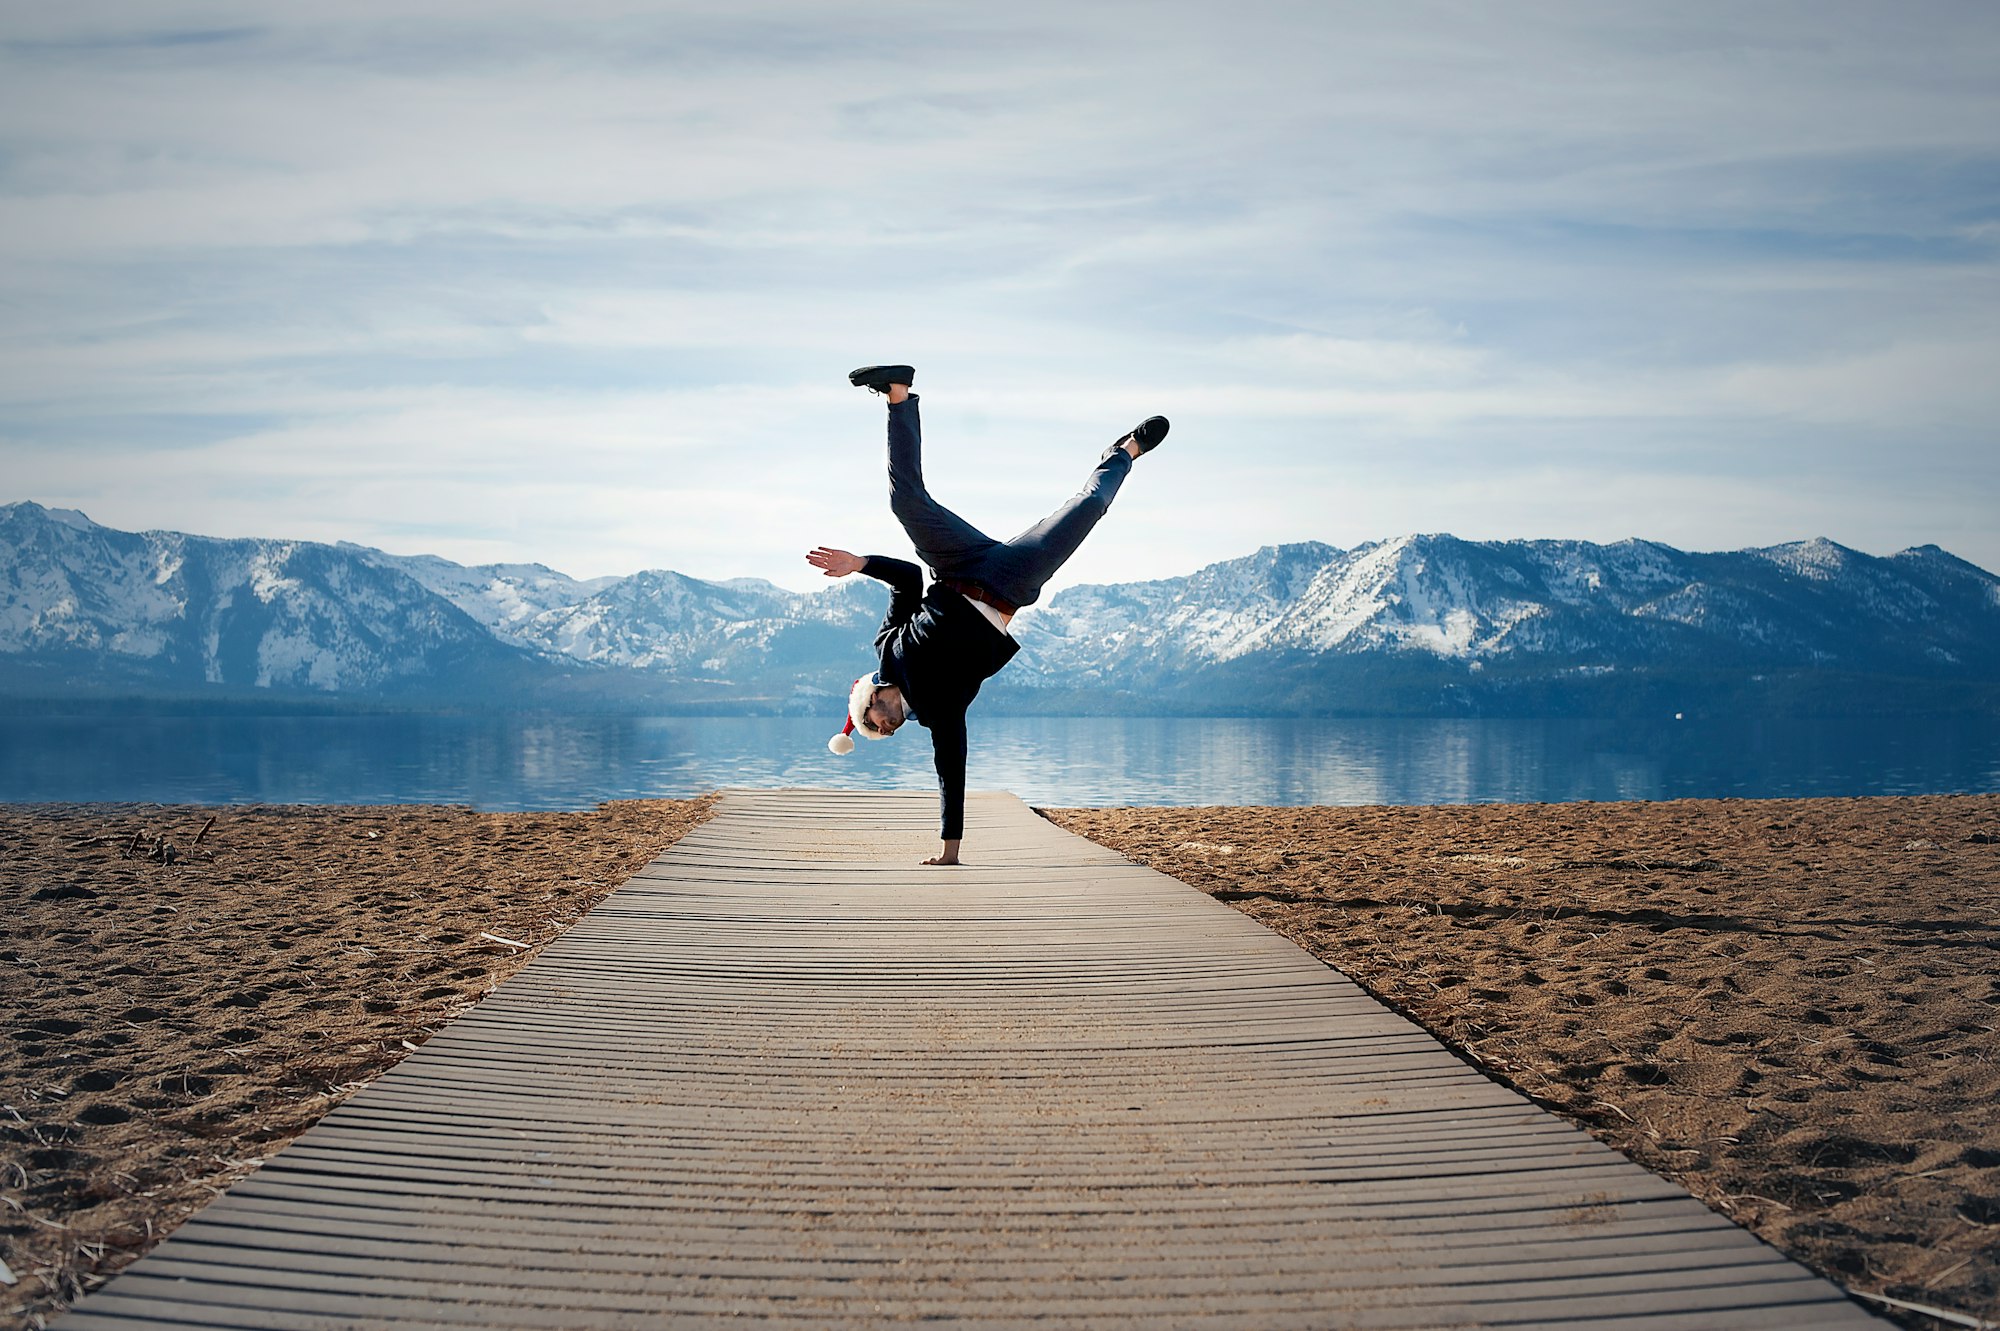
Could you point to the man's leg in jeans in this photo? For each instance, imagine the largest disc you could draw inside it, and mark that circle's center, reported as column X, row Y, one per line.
column 1017, row 569
column 949, row 544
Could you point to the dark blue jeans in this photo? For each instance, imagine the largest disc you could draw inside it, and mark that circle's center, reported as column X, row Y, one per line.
column 953, row 548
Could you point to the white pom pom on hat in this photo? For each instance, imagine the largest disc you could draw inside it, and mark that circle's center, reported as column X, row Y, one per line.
column 843, row 743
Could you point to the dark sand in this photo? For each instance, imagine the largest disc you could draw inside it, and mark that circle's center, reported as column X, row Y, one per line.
column 1788, row 1006
column 171, row 1016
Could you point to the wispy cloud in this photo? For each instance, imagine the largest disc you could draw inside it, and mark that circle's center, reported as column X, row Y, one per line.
column 581, row 286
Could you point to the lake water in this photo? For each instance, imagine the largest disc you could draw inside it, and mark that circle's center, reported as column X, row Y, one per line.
column 574, row 762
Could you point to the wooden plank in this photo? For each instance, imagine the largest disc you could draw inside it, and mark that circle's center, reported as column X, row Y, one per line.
column 786, row 1076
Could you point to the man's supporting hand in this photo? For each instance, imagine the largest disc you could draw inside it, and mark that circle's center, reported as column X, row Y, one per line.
column 835, row 563
column 949, row 855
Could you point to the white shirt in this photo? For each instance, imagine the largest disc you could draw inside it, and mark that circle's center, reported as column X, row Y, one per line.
column 993, row 616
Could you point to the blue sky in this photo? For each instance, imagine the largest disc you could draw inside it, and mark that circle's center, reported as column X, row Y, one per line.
column 581, row 283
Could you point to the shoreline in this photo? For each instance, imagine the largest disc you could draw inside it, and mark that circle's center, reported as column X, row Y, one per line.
column 1787, row 1006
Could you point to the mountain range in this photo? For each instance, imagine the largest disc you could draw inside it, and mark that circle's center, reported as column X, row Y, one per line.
column 1424, row 624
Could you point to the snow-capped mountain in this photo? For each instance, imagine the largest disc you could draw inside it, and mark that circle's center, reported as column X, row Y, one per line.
column 78, row 600
column 1415, row 623
column 656, row 620
column 660, row 620
column 506, row 599
column 1530, row 604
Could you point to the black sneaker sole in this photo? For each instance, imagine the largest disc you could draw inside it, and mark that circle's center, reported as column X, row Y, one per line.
column 1147, row 433
column 877, row 378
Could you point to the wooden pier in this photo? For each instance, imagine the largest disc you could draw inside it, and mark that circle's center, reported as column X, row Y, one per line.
column 787, row 1075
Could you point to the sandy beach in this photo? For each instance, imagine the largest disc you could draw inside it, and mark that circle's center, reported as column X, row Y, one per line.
column 175, row 1006
column 1788, row 1006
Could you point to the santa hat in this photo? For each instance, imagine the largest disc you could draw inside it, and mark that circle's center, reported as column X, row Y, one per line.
column 858, row 699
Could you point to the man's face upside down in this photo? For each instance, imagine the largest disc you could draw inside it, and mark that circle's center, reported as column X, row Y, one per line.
column 886, row 712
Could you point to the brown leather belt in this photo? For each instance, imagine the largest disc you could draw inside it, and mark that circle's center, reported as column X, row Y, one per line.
column 978, row 593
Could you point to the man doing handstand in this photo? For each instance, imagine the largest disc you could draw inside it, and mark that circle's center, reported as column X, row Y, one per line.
column 938, row 646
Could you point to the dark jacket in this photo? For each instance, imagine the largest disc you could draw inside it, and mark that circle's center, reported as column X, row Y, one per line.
column 938, row 648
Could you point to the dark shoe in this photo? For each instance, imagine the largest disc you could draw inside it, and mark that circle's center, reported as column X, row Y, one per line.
column 877, row 378
column 1147, row 433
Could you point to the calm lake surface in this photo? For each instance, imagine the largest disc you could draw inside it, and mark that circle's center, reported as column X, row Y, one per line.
column 574, row 762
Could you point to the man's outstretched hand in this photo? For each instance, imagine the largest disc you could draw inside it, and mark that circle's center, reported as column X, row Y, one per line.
column 835, row 563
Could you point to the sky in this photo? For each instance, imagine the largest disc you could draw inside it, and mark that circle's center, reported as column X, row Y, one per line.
column 580, row 283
